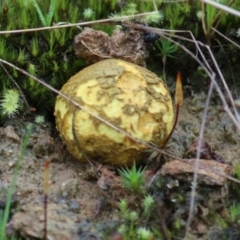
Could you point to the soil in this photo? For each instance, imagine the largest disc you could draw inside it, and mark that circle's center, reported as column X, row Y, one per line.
column 75, row 195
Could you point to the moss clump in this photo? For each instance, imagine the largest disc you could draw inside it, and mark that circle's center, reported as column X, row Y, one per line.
column 48, row 55
column 10, row 102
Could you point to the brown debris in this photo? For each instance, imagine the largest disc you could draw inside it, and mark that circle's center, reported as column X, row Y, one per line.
column 11, row 134
column 108, row 179
column 206, row 151
column 207, row 172
column 94, row 46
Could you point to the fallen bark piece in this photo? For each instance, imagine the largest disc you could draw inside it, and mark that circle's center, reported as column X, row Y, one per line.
column 209, row 171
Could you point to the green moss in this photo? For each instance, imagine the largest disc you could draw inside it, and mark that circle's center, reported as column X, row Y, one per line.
column 52, row 53
column 133, row 179
column 48, row 55
column 10, row 102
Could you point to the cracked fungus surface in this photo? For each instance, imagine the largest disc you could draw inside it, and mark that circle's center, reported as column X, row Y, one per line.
column 124, row 94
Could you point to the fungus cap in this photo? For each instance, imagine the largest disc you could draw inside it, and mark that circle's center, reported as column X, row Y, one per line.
column 124, row 94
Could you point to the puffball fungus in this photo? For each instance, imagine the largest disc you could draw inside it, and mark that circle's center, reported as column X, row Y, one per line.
column 124, row 94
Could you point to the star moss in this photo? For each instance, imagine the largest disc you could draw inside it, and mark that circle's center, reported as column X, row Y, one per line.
column 10, row 102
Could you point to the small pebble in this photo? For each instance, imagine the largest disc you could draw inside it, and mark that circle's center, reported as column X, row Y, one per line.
column 74, row 206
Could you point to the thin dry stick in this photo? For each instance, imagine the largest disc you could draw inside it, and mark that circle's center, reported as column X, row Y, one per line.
column 226, row 38
column 231, row 70
column 56, row 26
column 234, row 118
column 195, row 175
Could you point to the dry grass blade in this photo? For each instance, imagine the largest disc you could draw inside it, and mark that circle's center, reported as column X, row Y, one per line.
column 67, row 25
column 195, row 176
column 222, row 7
column 226, row 38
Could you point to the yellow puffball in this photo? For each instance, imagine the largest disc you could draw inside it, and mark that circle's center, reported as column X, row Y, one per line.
column 124, row 94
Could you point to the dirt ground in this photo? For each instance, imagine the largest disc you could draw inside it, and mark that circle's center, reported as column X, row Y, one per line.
column 75, row 195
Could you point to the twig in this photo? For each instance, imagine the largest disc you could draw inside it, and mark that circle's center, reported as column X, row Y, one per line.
column 235, row 118
column 195, row 175
column 109, row 20
column 226, row 38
